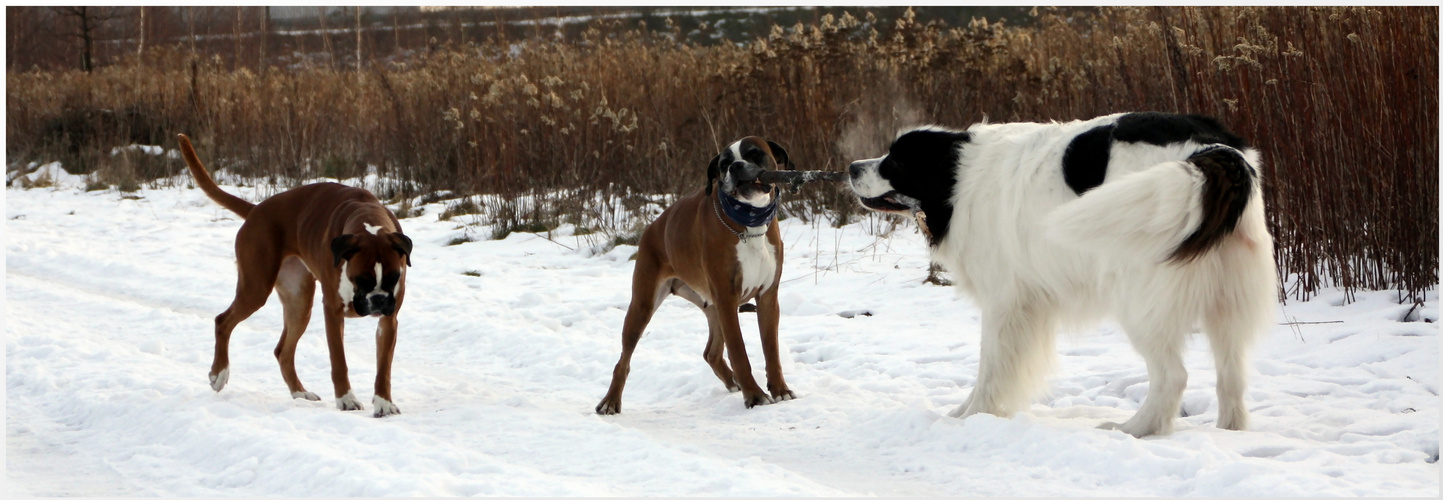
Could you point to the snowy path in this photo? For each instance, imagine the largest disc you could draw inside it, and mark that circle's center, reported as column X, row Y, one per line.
column 109, row 305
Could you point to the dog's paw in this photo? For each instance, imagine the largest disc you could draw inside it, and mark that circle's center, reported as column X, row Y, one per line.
column 348, row 402
column 308, row 396
column 757, row 399
column 963, row 410
column 780, row 394
column 218, row 380
column 383, row 408
column 608, row 407
column 1133, row 429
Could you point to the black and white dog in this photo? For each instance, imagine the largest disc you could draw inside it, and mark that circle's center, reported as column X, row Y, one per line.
column 1153, row 219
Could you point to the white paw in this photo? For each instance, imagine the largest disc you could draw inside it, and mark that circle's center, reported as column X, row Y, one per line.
column 1137, row 429
column 349, row 402
column 218, row 380
column 308, row 396
column 383, row 408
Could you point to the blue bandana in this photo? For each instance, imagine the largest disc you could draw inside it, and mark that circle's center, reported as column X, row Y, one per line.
column 744, row 213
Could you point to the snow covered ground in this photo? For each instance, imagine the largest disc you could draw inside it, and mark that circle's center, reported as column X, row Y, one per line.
column 506, row 346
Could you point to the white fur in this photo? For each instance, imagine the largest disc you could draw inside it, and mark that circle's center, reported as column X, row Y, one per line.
column 218, row 381
column 1037, row 258
column 349, row 402
column 346, row 289
column 757, row 259
column 307, row 395
column 870, row 184
column 372, row 229
column 384, row 408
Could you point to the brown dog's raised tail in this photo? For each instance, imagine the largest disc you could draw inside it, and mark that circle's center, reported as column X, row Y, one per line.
column 207, row 184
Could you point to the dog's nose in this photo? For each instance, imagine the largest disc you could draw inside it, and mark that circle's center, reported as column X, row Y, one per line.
column 378, row 301
column 744, row 172
column 855, row 169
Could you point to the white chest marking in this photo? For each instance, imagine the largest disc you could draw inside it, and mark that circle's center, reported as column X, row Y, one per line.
column 757, row 259
column 372, row 229
column 346, row 289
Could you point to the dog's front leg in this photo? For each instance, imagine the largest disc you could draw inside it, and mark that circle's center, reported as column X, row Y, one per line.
column 731, row 328
column 768, row 321
column 335, row 336
column 385, row 349
column 1016, row 356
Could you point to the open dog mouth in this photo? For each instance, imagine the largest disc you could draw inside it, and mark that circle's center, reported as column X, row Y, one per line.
column 751, row 189
column 890, row 202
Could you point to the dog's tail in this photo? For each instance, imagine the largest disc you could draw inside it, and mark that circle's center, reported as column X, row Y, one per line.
column 1175, row 211
column 207, row 184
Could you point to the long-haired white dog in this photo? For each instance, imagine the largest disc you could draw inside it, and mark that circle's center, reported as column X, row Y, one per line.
column 1153, row 219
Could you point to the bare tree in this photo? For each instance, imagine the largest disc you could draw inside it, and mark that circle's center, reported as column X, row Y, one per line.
column 140, row 46
column 358, row 39
column 89, row 21
column 326, row 38
column 265, row 37
column 236, row 35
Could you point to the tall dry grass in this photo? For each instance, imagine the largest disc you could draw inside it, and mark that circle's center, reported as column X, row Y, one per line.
column 1342, row 103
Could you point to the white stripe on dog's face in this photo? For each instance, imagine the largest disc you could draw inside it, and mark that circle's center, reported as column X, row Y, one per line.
column 734, row 154
column 867, row 182
column 377, row 290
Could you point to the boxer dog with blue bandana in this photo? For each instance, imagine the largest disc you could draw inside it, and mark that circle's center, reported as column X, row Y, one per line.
column 718, row 249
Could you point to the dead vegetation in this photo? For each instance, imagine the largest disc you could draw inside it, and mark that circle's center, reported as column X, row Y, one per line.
column 1342, row 102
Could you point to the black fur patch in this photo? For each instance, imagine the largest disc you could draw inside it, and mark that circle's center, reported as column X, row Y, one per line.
column 1084, row 164
column 1228, row 180
column 922, row 164
column 1160, row 129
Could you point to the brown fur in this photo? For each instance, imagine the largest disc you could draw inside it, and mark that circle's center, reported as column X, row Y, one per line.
column 285, row 244
column 686, row 250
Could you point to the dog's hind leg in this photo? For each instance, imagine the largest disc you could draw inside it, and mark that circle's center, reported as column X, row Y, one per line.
column 1230, row 357
column 256, row 269
column 1241, row 312
column 1160, row 341
column 297, row 289
column 646, row 296
column 1016, row 355
column 715, row 351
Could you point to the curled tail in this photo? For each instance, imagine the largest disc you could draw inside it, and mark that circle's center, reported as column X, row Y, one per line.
column 1228, row 181
column 207, row 184
column 1175, row 211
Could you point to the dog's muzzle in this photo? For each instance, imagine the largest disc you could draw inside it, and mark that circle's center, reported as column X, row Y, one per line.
column 374, row 304
column 745, row 180
column 874, row 192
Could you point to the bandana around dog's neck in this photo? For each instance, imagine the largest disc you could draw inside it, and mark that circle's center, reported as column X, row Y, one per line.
column 745, row 213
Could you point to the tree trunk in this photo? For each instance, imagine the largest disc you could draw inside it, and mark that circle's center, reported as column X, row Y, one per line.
column 265, row 37
column 326, row 38
column 358, row 39
column 140, row 47
column 236, row 32
column 87, row 39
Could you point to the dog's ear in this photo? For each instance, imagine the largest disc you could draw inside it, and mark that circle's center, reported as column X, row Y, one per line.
column 343, row 247
column 402, row 244
column 780, row 154
column 713, row 170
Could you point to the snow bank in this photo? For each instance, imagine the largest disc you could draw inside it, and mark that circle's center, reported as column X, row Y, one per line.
column 506, row 346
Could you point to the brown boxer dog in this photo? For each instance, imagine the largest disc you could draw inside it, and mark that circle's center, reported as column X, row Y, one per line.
column 332, row 233
column 716, row 249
